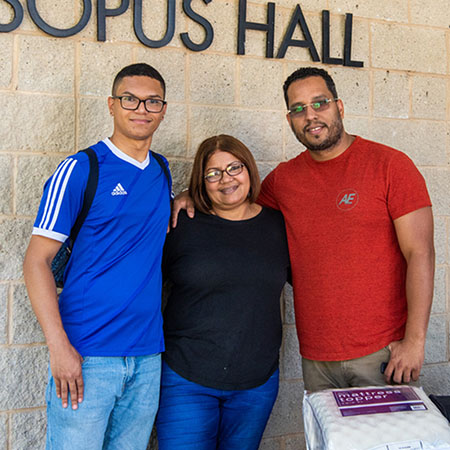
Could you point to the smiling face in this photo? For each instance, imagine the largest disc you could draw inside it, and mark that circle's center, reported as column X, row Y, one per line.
column 138, row 125
column 316, row 130
column 231, row 192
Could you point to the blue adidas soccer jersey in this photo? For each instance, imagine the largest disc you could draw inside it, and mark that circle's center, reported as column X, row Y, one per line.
column 111, row 301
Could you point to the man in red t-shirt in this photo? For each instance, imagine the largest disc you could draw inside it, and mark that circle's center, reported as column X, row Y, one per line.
column 360, row 233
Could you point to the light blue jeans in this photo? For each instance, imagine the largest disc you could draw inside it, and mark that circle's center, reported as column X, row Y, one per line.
column 121, row 396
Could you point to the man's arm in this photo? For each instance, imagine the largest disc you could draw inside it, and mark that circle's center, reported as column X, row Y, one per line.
column 267, row 195
column 65, row 361
column 415, row 237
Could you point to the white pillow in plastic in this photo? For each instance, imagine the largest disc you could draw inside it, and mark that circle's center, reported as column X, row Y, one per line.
column 374, row 418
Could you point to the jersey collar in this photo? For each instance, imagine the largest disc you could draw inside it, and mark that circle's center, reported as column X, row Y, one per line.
column 120, row 154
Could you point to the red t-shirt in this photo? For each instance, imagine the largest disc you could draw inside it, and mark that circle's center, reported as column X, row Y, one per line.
column 347, row 268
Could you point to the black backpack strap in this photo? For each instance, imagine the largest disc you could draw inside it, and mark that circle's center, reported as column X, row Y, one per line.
column 165, row 169
column 89, row 193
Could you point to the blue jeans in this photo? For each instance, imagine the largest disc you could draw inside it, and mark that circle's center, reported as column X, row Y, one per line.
column 194, row 417
column 120, row 402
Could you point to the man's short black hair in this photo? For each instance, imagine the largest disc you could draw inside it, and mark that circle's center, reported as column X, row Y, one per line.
column 306, row 72
column 140, row 70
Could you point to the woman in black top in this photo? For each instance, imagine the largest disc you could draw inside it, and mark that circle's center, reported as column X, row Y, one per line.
column 222, row 321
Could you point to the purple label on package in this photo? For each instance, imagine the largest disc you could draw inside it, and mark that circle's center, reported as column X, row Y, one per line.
column 355, row 402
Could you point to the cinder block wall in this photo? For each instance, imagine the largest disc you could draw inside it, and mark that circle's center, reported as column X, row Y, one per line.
column 53, row 102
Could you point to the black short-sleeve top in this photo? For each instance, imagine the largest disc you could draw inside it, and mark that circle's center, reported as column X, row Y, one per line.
column 222, row 321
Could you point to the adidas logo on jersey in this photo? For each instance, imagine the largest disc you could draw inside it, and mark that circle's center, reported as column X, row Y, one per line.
column 119, row 190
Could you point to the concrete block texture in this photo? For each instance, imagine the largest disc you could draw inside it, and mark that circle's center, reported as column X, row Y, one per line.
column 358, row 126
column 6, row 182
column 408, row 48
column 385, row 104
column 396, row 11
column 23, row 371
column 181, row 172
column 14, row 237
column 301, row 55
column 436, row 343
column 256, row 40
column 3, row 431
column 32, row 172
column 119, row 29
column 172, row 66
column 423, row 141
column 6, row 12
column 440, row 239
column 46, row 65
column 154, row 20
column 430, row 12
column 258, row 130
column 55, row 13
column 222, row 15
column 260, row 84
column 95, row 123
column 438, row 182
column 448, row 239
column 101, row 62
column 165, row 141
column 354, row 89
column 265, row 168
column 25, row 127
column 4, row 292
column 26, row 328
column 440, row 291
column 360, row 38
column 435, row 379
column 212, row 79
column 28, row 430
column 292, row 146
column 429, row 97
column 288, row 4
column 6, row 58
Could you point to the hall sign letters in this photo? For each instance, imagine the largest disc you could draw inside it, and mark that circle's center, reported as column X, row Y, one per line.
column 297, row 21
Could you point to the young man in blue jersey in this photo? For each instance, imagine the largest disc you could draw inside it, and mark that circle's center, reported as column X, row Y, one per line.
column 104, row 335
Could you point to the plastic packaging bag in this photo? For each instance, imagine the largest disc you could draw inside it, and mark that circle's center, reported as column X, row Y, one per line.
column 374, row 418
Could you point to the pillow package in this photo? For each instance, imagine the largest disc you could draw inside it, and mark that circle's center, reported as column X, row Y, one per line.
column 374, row 418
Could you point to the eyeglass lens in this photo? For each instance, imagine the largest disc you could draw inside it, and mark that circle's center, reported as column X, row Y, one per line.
column 217, row 174
column 320, row 105
column 133, row 103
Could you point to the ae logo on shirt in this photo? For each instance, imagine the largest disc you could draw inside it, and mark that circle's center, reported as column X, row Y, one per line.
column 347, row 199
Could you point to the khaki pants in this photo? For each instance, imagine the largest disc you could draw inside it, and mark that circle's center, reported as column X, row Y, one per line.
column 364, row 371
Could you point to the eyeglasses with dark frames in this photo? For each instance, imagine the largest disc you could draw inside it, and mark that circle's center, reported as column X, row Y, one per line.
column 319, row 105
column 233, row 169
column 132, row 103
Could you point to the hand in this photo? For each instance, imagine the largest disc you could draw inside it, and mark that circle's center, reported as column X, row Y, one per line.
column 65, row 364
column 405, row 362
column 182, row 201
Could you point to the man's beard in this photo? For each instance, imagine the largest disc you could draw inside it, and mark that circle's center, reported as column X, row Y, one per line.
column 336, row 131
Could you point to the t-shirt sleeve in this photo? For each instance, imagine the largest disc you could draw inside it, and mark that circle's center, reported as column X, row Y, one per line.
column 407, row 191
column 267, row 196
column 62, row 199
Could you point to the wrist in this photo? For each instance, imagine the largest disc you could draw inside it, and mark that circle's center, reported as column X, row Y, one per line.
column 414, row 339
column 57, row 340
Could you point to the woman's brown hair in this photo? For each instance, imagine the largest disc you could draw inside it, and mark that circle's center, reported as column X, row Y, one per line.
column 228, row 144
